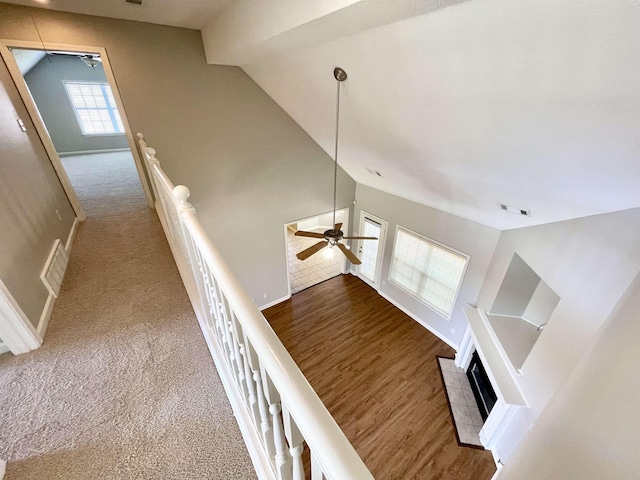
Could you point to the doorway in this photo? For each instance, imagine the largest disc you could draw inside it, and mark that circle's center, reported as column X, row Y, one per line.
column 321, row 266
column 370, row 252
column 71, row 95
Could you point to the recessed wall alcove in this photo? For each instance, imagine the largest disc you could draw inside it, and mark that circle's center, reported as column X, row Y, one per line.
column 521, row 310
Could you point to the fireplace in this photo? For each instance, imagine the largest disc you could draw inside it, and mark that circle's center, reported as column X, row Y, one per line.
column 482, row 390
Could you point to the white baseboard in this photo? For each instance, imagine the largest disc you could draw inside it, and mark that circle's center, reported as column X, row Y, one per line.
column 420, row 321
column 46, row 315
column 72, row 235
column 3, row 468
column 275, row 302
column 89, row 152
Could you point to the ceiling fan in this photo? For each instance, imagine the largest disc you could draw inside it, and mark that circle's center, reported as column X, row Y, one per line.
column 333, row 236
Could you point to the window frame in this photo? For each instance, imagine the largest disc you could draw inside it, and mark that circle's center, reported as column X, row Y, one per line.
column 446, row 315
column 109, row 108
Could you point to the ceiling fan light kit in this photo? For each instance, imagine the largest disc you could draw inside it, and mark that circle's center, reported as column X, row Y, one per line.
column 333, row 236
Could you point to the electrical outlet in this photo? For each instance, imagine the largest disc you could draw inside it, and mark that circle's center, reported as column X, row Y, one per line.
column 264, row 296
column 453, row 331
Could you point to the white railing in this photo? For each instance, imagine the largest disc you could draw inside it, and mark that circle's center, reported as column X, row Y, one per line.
column 277, row 410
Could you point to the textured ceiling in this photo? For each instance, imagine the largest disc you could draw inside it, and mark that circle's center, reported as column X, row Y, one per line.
column 535, row 104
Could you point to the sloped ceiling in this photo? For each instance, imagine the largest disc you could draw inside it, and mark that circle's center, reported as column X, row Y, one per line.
column 534, row 104
column 461, row 105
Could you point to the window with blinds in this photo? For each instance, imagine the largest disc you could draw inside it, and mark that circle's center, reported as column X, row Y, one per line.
column 427, row 270
column 95, row 108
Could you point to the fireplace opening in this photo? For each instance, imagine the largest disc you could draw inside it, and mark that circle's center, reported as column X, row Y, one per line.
column 482, row 390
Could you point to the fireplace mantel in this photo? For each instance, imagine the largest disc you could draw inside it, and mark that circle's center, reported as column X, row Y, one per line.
column 511, row 404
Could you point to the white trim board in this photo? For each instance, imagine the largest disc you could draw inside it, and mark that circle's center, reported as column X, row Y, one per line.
column 275, row 302
column 72, row 235
column 89, row 152
column 420, row 321
column 17, row 331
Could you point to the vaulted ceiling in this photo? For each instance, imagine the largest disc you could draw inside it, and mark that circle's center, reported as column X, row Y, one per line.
column 459, row 105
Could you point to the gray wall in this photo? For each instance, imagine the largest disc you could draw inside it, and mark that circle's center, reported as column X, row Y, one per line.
column 589, row 263
column 45, row 83
column 249, row 166
column 30, row 194
column 477, row 241
column 590, row 428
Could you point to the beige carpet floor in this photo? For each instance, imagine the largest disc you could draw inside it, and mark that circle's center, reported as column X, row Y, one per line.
column 123, row 386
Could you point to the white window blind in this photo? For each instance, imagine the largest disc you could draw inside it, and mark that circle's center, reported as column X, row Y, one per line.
column 95, row 108
column 428, row 270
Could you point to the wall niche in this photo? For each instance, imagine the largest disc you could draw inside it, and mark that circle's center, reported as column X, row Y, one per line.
column 520, row 311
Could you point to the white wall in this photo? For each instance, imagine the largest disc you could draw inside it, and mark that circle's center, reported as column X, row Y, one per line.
column 30, row 195
column 589, row 430
column 45, row 82
column 589, row 263
column 249, row 166
column 469, row 237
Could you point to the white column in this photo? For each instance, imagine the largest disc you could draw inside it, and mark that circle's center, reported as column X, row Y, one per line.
column 282, row 458
column 295, row 441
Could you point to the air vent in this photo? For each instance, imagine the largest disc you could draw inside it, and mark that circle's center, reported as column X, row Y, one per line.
column 517, row 211
column 134, row 2
column 54, row 268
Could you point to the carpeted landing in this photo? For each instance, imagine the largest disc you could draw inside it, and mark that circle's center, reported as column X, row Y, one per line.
column 123, row 386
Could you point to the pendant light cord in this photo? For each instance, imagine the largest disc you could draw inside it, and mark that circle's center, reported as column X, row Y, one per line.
column 335, row 168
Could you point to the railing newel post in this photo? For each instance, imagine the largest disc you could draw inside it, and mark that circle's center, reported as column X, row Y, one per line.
column 270, row 397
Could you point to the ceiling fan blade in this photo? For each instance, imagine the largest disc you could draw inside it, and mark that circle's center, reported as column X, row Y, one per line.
column 360, row 238
column 349, row 254
column 337, row 226
column 303, row 255
column 301, row 233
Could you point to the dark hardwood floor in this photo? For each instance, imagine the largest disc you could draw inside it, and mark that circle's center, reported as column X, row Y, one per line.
column 375, row 369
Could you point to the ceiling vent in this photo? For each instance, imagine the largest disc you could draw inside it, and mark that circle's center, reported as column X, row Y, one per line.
column 517, row 211
column 134, row 2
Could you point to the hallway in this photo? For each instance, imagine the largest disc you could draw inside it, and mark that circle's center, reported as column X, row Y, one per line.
column 124, row 386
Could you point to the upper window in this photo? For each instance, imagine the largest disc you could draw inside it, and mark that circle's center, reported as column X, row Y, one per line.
column 427, row 270
column 95, row 108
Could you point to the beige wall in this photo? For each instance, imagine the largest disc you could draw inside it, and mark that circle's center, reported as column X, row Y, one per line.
column 30, row 194
column 249, row 166
column 589, row 431
column 477, row 241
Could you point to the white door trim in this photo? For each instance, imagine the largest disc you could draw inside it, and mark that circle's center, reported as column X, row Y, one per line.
column 381, row 243
column 16, row 330
column 23, row 90
column 345, row 227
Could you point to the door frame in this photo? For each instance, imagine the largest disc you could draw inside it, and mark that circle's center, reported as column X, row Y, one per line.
column 345, row 267
column 384, row 226
column 25, row 94
column 16, row 331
